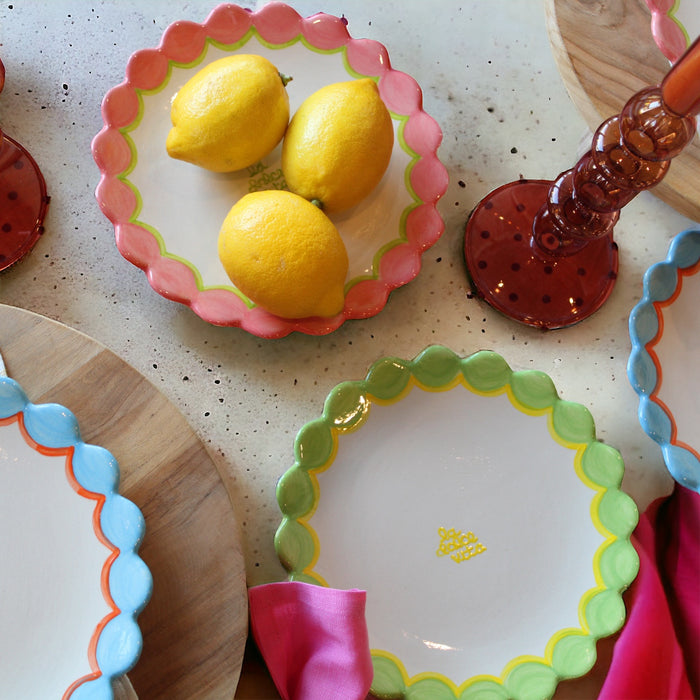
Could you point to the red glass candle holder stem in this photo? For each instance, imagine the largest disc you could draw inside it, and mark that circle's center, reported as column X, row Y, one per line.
column 681, row 86
column 630, row 153
column 542, row 251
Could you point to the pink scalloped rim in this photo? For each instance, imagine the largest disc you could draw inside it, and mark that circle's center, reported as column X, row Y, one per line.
column 276, row 23
column 667, row 33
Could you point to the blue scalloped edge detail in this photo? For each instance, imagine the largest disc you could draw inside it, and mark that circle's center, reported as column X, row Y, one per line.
column 659, row 284
column 121, row 522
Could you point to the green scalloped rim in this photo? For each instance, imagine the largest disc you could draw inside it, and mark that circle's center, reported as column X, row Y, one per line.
column 570, row 653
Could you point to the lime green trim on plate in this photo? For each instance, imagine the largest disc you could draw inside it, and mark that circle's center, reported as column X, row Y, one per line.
column 570, row 652
column 672, row 14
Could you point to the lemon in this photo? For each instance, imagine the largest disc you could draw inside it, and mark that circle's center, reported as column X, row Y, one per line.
column 284, row 254
column 338, row 144
column 229, row 114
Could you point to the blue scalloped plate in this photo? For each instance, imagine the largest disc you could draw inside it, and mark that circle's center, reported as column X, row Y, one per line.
column 663, row 366
column 72, row 582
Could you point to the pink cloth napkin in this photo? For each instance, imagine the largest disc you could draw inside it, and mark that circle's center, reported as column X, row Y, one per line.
column 315, row 644
column 657, row 656
column 313, row 640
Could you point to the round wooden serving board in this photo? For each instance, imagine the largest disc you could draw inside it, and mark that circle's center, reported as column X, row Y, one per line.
column 196, row 623
column 606, row 53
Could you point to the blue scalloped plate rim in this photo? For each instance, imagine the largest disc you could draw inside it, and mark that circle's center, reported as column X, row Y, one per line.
column 121, row 522
column 660, row 283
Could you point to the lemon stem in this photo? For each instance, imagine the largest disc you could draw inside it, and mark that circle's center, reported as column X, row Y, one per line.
column 317, row 203
column 285, row 79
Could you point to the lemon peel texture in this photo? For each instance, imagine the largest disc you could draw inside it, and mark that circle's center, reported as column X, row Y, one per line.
column 338, row 144
column 284, row 254
column 230, row 114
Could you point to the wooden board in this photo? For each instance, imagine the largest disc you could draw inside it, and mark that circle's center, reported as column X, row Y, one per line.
column 196, row 624
column 606, row 53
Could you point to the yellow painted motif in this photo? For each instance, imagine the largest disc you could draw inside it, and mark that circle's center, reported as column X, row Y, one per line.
column 261, row 178
column 458, row 545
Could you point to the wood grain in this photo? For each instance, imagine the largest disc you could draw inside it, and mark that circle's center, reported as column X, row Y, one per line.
column 195, row 626
column 605, row 54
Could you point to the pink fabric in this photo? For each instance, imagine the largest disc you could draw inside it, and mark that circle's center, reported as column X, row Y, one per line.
column 315, row 644
column 313, row 640
column 657, row 656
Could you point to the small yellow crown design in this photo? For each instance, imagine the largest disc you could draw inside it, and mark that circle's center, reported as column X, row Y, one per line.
column 459, row 546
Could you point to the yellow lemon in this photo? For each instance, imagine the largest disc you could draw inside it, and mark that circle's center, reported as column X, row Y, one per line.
column 284, row 254
column 229, row 114
column 338, row 144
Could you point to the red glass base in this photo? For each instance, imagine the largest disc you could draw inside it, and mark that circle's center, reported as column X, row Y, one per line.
column 23, row 201
column 517, row 278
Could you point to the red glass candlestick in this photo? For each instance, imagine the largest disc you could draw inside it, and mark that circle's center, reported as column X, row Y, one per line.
column 23, row 198
column 542, row 251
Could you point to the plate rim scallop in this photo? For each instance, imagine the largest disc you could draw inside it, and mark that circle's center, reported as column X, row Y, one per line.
column 660, row 285
column 277, row 25
column 570, row 653
column 669, row 34
column 126, row 580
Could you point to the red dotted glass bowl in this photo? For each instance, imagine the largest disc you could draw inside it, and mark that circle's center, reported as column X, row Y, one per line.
column 23, row 196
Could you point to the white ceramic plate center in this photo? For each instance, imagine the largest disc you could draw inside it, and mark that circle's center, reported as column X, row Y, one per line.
column 479, row 513
column 677, row 352
column 50, row 578
column 433, row 500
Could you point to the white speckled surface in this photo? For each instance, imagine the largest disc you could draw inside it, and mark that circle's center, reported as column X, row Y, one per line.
column 491, row 83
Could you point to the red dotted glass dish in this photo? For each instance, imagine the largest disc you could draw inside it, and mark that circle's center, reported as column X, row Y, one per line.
column 23, row 196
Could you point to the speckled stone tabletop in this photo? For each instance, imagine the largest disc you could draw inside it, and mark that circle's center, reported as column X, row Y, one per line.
column 488, row 78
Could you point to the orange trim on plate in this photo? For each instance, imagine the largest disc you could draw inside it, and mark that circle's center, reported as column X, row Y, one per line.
column 659, row 306
column 99, row 499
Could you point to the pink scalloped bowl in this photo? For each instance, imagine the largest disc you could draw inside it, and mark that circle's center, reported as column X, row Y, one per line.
column 167, row 213
column 674, row 25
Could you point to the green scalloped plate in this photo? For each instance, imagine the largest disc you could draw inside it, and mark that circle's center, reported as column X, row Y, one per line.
column 479, row 512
